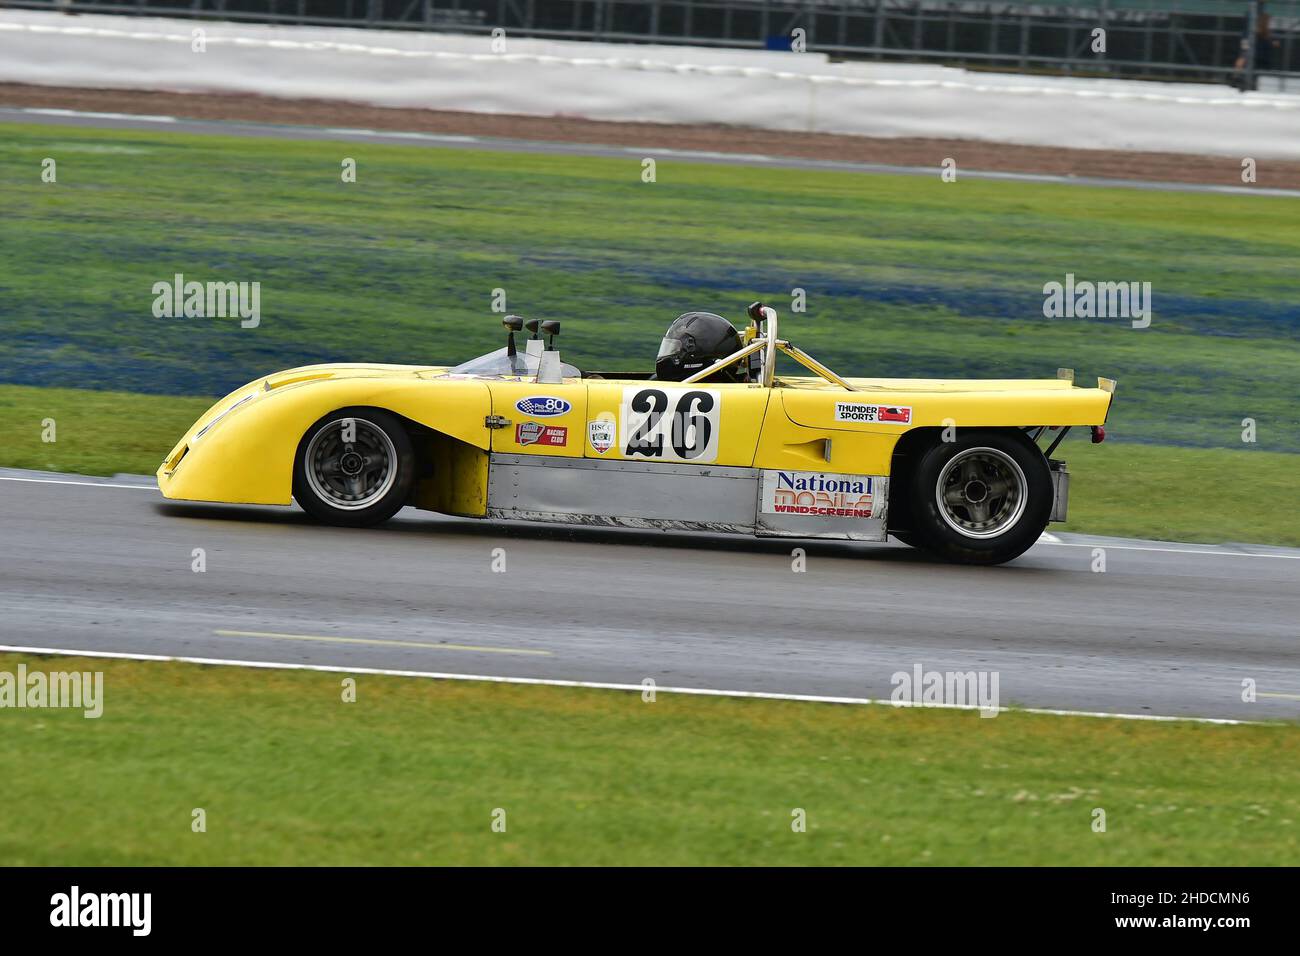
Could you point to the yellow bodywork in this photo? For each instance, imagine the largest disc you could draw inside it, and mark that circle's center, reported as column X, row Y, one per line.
column 242, row 450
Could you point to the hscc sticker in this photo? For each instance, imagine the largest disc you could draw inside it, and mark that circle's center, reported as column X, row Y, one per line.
column 873, row 414
column 535, row 433
column 819, row 494
column 603, row 433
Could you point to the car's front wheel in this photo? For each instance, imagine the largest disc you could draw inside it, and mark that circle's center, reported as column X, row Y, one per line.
column 354, row 467
column 982, row 499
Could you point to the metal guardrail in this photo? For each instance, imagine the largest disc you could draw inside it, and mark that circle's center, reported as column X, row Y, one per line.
column 1164, row 39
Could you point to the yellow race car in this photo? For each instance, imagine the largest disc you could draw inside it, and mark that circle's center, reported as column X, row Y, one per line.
column 714, row 440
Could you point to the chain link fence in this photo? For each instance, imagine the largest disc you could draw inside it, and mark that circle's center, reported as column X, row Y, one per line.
column 1242, row 42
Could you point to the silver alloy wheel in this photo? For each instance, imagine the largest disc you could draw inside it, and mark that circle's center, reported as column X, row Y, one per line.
column 352, row 475
column 981, row 492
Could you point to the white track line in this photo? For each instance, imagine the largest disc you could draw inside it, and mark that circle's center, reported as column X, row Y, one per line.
column 1138, row 547
column 88, row 114
column 85, row 484
column 598, row 685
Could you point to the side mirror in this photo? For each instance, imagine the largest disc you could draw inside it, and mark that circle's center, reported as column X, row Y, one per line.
column 513, row 324
column 550, row 328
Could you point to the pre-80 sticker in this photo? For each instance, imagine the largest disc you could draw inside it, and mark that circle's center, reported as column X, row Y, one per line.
column 674, row 424
column 542, row 406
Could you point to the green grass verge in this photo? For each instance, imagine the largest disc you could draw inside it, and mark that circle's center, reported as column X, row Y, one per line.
column 1208, row 495
column 1121, row 489
column 95, row 433
column 289, row 774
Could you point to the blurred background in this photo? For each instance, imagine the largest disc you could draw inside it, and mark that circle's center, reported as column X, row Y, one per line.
column 1183, row 39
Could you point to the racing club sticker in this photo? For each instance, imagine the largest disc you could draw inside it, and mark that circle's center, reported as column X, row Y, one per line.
column 535, row 433
column 873, row 414
column 818, row 494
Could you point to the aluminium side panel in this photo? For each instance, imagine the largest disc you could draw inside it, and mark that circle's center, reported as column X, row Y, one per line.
column 622, row 493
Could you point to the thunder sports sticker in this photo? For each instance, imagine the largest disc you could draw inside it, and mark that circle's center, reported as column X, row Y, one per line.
column 535, row 433
column 873, row 414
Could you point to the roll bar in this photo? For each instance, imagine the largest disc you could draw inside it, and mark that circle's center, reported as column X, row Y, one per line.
column 763, row 337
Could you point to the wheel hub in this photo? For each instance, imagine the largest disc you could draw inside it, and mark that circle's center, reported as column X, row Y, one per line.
column 355, row 474
column 350, row 464
column 981, row 492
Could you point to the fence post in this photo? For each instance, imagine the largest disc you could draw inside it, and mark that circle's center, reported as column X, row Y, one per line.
column 1103, row 16
column 1024, row 38
column 1252, row 22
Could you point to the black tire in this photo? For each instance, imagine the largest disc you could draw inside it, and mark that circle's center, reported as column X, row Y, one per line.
column 359, row 483
column 982, row 499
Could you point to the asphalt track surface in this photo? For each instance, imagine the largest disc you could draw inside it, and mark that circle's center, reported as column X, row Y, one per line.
column 106, row 565
column 61, row 117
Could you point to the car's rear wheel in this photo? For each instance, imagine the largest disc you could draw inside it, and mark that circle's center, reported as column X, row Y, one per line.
column 982, row 499
column 354, row 467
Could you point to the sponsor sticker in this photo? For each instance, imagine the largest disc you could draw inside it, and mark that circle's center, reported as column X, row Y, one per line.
column 817, row 493
column 535, row 433
column 873, row 414
column 543, row 406
column 602, row 434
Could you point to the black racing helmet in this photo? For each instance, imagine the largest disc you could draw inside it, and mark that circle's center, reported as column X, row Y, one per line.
column 694, row 341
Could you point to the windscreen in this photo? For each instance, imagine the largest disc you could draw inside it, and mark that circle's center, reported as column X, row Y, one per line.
column 500, row 364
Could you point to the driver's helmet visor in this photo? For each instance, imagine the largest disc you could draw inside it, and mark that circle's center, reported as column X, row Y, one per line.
column 673, row 346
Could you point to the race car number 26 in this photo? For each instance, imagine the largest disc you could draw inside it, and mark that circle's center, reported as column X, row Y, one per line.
column 671, row 424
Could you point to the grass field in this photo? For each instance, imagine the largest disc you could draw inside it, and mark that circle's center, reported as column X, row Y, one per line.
column 412, row 771
column 903, row 276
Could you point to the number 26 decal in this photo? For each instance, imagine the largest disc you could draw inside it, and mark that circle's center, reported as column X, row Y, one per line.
column 671, row 424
